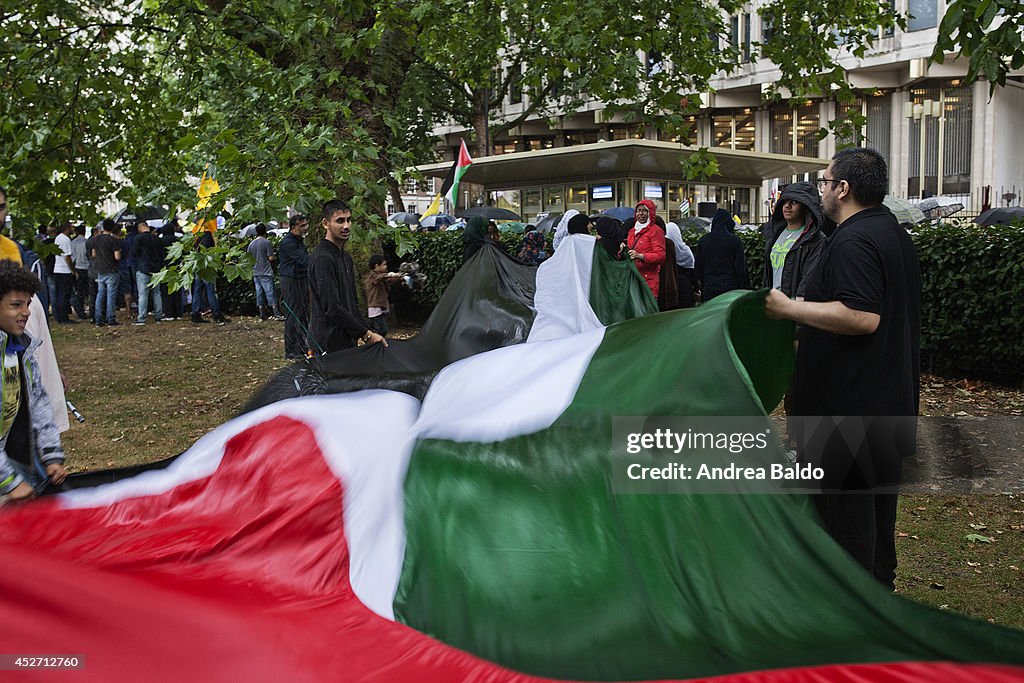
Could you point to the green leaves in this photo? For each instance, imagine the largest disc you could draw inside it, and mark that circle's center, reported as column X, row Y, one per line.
column 991, row 51
column 700, row 165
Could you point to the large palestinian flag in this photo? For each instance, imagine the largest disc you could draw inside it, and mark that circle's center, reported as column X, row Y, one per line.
column 473, row 534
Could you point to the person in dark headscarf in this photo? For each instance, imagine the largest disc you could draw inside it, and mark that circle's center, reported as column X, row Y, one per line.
column 474, row 236
column 495, row 234
column 533, row 248
column 719, row 261
column 684, row 266
column 610, row 235
column 579, row 225
column 668, row 283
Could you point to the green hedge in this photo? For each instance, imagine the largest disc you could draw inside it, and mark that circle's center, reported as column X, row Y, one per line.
column 972, row 291
column 972, row 299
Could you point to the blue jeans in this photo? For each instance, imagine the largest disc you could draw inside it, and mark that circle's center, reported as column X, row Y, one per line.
column 264, row 290
column 204, row 294
column 145, row 292
column 61, row 304
column 106, row 291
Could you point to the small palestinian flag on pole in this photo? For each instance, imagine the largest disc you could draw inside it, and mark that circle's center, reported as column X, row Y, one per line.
column 450, row 188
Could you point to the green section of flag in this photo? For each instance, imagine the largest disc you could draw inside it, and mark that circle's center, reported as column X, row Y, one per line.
column 617, row 291
column 519, row 552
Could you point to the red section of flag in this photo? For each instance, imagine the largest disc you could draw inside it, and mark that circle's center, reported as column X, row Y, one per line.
column 464, row 158
column 244, row 576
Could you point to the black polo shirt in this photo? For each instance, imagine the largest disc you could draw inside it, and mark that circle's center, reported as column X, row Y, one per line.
column 869, row 265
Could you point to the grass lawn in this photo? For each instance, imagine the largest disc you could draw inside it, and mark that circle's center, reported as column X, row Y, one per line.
column 149, row 392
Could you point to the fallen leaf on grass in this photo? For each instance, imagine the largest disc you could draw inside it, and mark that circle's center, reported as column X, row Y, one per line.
column 973, row 564
column 978, row 538
column 978, row 527
column 935, row 585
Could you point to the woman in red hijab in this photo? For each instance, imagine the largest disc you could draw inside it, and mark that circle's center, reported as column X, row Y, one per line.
column 646, row 242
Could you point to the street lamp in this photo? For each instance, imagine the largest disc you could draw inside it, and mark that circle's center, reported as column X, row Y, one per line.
column 920, row 112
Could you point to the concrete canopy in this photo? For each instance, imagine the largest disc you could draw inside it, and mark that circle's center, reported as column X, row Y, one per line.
column 621, row 159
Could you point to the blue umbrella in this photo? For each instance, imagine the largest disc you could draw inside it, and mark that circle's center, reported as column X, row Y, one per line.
column 621, row 213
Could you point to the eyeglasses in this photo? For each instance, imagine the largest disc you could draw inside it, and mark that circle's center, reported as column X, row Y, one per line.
column 823, row 180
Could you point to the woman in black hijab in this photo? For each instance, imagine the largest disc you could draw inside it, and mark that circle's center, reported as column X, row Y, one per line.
column 474, row 236
column 579, row 225
column 611, row 235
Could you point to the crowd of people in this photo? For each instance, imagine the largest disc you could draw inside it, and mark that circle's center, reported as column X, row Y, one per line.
column 839, row 265
column 854, row 296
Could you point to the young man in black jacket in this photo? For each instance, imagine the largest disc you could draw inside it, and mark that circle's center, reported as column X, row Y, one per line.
column 793, row 239
column 335, row 322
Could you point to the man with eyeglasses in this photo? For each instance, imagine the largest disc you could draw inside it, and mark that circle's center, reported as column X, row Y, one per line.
column 856, row 389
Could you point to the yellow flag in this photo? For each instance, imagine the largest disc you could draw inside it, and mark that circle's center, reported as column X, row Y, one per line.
column 207, row 188
column 435, row 207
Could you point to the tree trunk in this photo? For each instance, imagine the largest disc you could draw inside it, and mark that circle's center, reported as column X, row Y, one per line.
column 483, row 145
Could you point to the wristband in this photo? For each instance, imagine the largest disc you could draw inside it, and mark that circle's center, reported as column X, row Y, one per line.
column 7, row 481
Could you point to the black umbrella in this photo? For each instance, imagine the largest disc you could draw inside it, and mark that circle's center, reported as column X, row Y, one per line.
column 491, row 213
column 548, row 223
column 132, row 215
column 404, row 217
column 1002, row 214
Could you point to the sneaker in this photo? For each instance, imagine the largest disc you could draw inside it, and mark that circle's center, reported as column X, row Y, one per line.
column 138, row 323
column 99, row 323
column 278, row 317
column 112, row 323
column 168, row 320
column 221, row 320
column 198, row 319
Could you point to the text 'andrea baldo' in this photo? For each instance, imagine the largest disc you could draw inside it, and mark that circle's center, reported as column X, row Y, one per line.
column 695, row 454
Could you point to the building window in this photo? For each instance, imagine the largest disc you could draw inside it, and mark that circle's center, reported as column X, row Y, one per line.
column 515, row 86
column 782, row 130
column 923, row 14
column 941, row 125
column 577, row 199
column 531, row 204
column 553, row 199
column 626, row 133
column 409, row 187
column 844, row 112
column 721, row 131
column 746, row 37
column 735, row 131
column 581, row 137
column 808, row 123
column 878, row 131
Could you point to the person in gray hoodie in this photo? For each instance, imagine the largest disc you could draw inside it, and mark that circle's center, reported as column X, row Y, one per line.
column 30, row 447
column 793, row 239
